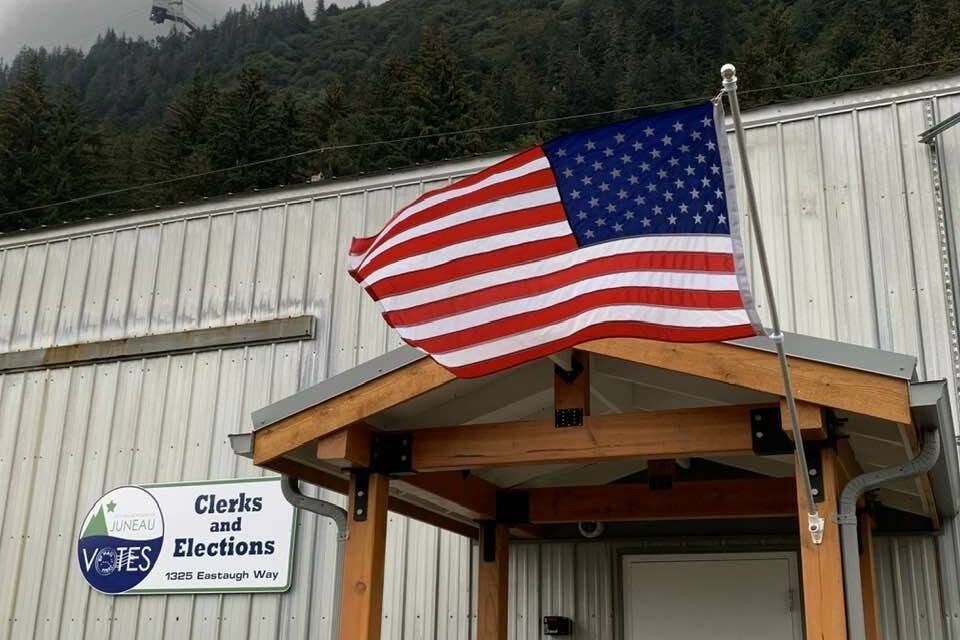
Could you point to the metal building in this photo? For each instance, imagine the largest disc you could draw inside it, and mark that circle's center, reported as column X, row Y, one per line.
column 861, row 220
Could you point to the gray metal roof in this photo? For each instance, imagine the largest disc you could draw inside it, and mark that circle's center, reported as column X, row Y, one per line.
column 799, row 346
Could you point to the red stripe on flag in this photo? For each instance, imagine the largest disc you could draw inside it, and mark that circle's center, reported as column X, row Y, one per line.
column 622, row 263
column 472, row 264
column 529, row 320
column 605, row 330
column 531, row 182
column 484, row 227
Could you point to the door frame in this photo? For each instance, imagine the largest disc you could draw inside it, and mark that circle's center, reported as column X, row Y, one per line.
column 791, row 557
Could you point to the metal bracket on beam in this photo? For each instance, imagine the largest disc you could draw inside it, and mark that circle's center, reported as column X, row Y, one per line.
column 570, row 375
column 513, row 507
column 815, row 469
column 568, row 418
column 391, row 453
column 488, row 540
column 767, row 434
column 360, row 494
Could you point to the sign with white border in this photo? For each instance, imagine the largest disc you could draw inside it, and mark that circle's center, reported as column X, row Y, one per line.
column 217, row 536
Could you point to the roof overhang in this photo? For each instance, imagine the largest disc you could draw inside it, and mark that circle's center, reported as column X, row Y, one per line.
column 874, row 391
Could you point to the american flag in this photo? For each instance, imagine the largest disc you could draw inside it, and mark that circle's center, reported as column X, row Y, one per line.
column 627, row 230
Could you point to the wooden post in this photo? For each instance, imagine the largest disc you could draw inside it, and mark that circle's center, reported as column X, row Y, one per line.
column 868, row 578
column 492, row 582
column 362, row 600
column 821, row 564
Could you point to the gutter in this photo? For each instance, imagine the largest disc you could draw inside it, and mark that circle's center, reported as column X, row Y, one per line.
column 929, row 404
column 847, row 519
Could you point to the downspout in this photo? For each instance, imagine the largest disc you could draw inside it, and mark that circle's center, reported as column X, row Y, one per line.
column 847, row 519
column 291, row 491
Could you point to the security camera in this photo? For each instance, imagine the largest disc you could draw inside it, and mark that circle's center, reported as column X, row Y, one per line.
column 590, row 528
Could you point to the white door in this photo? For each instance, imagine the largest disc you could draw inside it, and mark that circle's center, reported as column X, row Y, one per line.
column 736, row 596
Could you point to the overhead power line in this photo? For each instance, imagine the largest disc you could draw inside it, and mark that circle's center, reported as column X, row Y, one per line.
column 483, row 129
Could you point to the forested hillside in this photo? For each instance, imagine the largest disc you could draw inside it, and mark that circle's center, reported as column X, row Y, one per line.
column 274, row 81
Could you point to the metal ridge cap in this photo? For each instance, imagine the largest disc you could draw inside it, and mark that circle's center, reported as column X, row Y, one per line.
column 841, row 354
column 338, row 384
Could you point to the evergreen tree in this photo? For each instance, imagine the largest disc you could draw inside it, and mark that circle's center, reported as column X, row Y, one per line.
column 247, row 131
column 72, row 156
column 182, row 145
column 438, row 99
column 25, row 121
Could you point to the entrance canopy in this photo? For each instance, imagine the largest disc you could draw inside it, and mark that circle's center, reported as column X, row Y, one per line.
column 641, row 400
column 613, row 431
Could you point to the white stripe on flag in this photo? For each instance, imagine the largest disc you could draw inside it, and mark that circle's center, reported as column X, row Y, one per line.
column 674, row 243
column 492, row 313
column 516, row 202
column 477, row 246
column 664, row 316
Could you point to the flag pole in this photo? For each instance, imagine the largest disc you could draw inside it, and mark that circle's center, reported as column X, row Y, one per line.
column 814, row 519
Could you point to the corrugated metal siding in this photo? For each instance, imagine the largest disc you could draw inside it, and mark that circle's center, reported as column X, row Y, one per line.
column 847, row 203
column 908, row 588
column 68, row 435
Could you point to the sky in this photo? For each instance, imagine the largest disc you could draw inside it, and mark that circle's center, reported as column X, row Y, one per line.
column 50, row 23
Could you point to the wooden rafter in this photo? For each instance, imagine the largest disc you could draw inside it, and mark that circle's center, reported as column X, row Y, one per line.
column 403, row 507
column 814, row 382
column 352, row 406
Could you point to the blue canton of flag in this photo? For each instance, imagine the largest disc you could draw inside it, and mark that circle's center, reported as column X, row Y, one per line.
column 657, row 175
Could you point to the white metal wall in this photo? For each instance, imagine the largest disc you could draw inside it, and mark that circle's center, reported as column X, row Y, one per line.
column 858, row 255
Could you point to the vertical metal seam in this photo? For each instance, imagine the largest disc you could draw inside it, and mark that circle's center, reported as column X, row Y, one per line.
column 63, row 287
column 139, row 427
column 56, row 481
column 174, row 324
column 304, row 305
column 106, row 289
column 911, row 233
column 868, row 236
column 278, row 299
column 828, row 238
column 36, row 307
column 30, row 491
column 83, row 464
column 151, row 303
column 201, row 287
column 784, row 191
column 16, row 304
column 256, row 267
column 225, row 306
column 133, row 267
column 333, row 295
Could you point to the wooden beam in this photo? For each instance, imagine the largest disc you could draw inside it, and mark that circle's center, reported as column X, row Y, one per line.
column 492, row 582
column 676, row 433
column 397, row 505
column 574, row 394
column 746, row 498
column 812, row 425
column 871, row 615
column 352, row 406
column 454, row 491
column 347, row 448
column 815, row 382
column 361, row 606
column 822, row 567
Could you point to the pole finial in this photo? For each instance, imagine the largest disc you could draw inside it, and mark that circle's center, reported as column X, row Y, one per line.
column 729, row 74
